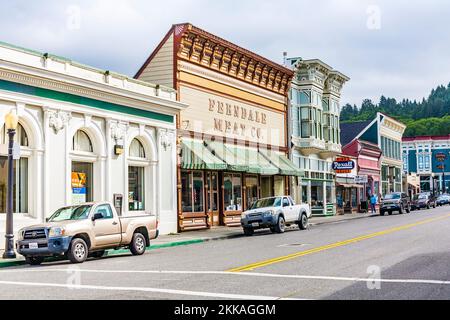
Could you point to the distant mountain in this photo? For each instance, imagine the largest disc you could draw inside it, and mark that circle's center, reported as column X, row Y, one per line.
column 430, row 116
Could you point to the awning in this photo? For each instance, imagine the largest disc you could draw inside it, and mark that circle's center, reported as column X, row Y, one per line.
column 243, row 159
column 196, row 156
column 287, row 168
column 349, row 185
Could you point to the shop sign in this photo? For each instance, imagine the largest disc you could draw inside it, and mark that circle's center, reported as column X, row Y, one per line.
column 343, row 165
column 361, row 179
column 441, row 156
column 16, row 151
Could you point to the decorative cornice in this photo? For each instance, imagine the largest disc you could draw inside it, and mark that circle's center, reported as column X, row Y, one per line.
column 200, row 47
column 205, row 73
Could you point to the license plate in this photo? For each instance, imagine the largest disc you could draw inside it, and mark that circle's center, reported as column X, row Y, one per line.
column 255, row 224
column 33, row 245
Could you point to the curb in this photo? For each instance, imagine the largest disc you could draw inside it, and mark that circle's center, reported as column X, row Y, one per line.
column 112, row 252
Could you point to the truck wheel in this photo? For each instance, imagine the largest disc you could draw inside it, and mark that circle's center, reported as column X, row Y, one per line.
column 34, row 261
column 249, row 232
column 78, row 251
column 138, row 244
column 303, row 223
column 281, row 225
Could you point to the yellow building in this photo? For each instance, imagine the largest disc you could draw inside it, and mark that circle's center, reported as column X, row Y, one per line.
column 232, row 139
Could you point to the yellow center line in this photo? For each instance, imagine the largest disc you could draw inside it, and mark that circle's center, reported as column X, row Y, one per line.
column 265, row 263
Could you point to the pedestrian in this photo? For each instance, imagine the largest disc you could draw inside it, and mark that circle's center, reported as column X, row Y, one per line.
column 373, row 203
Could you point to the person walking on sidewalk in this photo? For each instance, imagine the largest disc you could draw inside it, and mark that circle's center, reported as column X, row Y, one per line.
column 373, row 203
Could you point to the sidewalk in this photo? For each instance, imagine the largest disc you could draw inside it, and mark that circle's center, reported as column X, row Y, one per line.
column 192, row 237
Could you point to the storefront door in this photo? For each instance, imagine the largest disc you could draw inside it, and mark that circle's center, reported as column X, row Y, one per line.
column 82, row 182
column 251, row 190
column 212, row 197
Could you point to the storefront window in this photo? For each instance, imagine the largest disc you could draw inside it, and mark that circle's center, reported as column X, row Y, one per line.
column 232, row 192
column 317, row 195
column 305, row 192
column 192, row 190
column 136, row 188
column 354, row 197
column 340, row 197
column 20, row 187
column 329, row 196
column 251, row 185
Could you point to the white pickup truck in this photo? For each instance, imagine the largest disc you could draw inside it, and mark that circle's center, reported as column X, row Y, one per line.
column 275, row 213
column 86, row 230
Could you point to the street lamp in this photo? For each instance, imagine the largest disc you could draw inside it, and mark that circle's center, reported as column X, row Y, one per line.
column 11, row 123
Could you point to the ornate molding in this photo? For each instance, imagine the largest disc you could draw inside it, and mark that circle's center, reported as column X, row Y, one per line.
column 166, row 138
column 58, row 120
column 119, row 130
column 200, row 47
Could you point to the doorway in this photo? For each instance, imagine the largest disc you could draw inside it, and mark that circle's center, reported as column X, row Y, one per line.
column 212, row 197
column 82, row 182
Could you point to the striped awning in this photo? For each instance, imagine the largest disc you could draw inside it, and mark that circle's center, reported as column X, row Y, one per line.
column 286, row 166
column 196, row 156
column 244, row 159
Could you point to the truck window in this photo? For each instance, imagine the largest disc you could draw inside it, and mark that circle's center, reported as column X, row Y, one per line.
column 105, row 210
column 286, row 202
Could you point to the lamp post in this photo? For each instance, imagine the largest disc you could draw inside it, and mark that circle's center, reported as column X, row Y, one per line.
column 11, row 122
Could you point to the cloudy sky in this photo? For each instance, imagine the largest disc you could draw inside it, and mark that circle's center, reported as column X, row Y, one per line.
column 397, row 48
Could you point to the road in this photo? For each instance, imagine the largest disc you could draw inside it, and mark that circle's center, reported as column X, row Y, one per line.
column 391, row 257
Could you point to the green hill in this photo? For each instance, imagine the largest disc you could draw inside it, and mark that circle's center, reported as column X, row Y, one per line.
column 430, row 116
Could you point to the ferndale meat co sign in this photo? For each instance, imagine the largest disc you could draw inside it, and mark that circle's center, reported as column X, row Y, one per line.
column 343, row 165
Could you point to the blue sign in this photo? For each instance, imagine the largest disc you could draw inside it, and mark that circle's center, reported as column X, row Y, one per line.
column 343, row 165
column 78, row 190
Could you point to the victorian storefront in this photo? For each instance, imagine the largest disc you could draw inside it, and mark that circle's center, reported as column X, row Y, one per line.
column 86, row 135
column 233, row 138
column 314, row 131
column 348, row 192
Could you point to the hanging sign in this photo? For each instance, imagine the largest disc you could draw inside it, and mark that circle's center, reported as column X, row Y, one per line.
column 343, row 165
column 361, row 179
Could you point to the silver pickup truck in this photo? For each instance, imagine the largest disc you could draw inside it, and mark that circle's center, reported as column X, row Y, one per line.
column 275, row 213
column 80, row 231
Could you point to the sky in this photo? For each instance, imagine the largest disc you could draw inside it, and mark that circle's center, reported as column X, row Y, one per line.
column 399, row 49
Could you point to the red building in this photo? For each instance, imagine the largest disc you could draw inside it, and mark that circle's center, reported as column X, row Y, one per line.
column 368, row 157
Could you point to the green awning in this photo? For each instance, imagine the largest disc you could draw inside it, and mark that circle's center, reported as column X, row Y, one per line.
column 243, row 159
column 287, row 168
column 196, row 156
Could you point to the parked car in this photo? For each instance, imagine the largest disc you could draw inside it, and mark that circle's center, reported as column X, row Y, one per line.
column 423, row 201
column 86, row 230
column 396, row 201
column 443, row 199
column 275, row 213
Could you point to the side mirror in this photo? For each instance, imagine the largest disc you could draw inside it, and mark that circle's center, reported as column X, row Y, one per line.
column 47, row 219
column 97, row 216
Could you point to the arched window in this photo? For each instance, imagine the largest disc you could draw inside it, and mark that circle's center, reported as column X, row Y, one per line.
column 20, row 167
column 20, row 136
column 137, row 149
column 82, row 142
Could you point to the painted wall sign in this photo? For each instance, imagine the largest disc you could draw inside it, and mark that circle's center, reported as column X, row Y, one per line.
column 231, row 118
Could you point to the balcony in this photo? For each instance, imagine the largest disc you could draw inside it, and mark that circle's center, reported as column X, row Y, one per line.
column 308, row 146
column 331, row 150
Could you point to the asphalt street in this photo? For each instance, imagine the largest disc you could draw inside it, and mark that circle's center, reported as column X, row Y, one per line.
column 391, row 257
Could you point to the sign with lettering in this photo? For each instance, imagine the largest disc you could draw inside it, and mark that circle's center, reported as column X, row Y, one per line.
column 441, row 156
column 225, row 117
column 343, row 165
column 361, row 179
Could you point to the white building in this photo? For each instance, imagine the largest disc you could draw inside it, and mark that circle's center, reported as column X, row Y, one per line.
column 74, row 119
